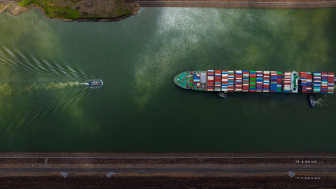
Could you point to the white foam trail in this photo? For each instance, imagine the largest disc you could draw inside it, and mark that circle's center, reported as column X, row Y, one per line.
column 324, row 101
column 7, row 88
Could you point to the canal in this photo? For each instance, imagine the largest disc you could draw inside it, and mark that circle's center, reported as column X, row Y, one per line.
column 45, row 65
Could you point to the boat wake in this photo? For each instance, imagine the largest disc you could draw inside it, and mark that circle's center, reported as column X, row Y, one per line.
column 324, row 101
column 21, row 87
column 33, row 101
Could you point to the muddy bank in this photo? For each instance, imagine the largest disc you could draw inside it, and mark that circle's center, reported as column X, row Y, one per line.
column 76, row 10
column 14, row 9
column 3, row 8
column 163, row 182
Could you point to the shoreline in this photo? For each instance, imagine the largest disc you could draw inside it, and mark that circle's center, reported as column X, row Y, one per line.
column 15, row 158
column 15, row 9
column 171, row 154
column 237, row 4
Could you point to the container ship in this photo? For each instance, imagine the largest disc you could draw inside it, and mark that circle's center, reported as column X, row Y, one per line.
column 257, row 81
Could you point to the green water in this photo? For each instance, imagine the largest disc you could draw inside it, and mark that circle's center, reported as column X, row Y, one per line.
column 46, row 105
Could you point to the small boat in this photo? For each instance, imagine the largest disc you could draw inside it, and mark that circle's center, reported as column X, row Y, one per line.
column 96, row 83
column 312, row 101
column 221, row 94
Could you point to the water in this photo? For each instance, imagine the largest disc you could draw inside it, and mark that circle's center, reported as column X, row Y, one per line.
column 46, row 105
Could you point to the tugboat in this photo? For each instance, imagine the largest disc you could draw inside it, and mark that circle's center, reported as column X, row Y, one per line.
column 96, row 83
column 223, row 95
column 312, row 101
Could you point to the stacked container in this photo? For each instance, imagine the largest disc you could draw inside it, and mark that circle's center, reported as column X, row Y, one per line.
column 324, row 83
column 197, row 77
column 266, row 84
column 279, row 82
column 259, row 81
column 225, row 77
column 246, row 76
column 218, row 80
column 187, row 80
column 253, row 76
column 211, row 75
column 191, row 79
column 309, row 82
column 230, row 81
column 316, row 82
column 303, row 76
column 331, row 77
column 287, row 82
column 196, row 80
column 274, row 78
column 239, row 81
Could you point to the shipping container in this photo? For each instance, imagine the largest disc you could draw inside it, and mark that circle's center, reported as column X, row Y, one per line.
column 246, row 77
column 238, row 81
column 273, row 83
column 259, row 81
column 266, row 82
column 316, row 82
column 331, row 77
column 231, row 76
column 225, row 77
column 253, row 84
column 211, row 77
column 218, row 80
column 287, row 82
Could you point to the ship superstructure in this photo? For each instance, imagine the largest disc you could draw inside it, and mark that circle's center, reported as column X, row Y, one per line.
column 257, row 81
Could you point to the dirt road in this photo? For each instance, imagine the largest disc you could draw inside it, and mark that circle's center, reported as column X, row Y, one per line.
column 316, row 171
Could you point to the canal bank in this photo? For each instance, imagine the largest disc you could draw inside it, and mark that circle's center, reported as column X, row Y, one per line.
column 299, row 170
column 112, row 11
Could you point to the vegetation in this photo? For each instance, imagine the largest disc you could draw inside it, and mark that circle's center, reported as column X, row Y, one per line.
column 122, row 11
column 53, row 10
column 84, row 9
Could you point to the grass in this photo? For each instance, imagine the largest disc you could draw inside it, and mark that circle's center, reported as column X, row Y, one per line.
column 52, row 10
column 122, row 11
